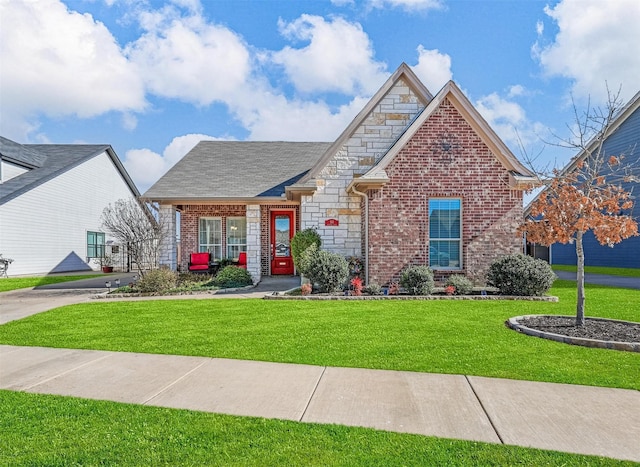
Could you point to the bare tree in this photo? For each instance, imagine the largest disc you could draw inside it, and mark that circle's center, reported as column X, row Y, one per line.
column 134, row 222
column 590, row 194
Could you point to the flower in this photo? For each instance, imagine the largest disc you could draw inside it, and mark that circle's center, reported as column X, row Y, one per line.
column 450, row 290
column 305, row 289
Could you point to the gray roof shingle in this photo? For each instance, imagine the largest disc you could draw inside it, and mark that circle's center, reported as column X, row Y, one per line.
column 237, row 169
column 45, row 162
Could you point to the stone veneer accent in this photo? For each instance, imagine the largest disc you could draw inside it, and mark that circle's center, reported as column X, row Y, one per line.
column 168, row 247
column 398, row 212
column 361, row 151
column 253, row 242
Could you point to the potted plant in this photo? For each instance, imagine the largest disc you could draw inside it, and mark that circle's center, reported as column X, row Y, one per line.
column 106, row 263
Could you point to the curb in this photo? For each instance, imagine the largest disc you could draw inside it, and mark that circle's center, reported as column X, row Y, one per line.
column 582, row 341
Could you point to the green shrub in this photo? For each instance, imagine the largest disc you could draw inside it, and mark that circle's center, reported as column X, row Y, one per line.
column 158, row 281
column 306, row 259
column 188, row 279
column 462, row 285
column 329, row 270
column 417, row 280
column 303, row 240
column 520, row 275
column 373, row 289
column 232, row 277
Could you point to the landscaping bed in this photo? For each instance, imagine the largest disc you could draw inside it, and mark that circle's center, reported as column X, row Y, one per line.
column 596, row 332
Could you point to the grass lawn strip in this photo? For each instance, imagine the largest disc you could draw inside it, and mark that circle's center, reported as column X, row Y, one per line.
column 467, row 338
column 14, row 283
column 54, row 430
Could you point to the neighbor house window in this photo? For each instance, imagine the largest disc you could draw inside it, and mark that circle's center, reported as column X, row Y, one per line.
column 95, row 244
column 445, row 227
column 210, row 235
column 236, row 236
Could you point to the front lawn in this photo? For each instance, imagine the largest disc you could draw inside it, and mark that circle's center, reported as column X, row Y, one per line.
column 53, row 430
column 456, row 337
column 14, row 283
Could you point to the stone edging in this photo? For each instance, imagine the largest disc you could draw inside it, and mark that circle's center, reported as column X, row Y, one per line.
column 595, row 343
column 409, row 297
column 176, row 294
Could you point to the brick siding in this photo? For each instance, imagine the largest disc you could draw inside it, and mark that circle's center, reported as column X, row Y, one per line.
column 398, row 212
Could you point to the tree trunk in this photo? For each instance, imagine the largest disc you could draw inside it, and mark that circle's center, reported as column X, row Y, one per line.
column 580, row 280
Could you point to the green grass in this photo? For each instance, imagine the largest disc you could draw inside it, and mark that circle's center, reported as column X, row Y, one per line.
column 455, row 337
column 60, row 431
column 627, row 272
column 14, row 283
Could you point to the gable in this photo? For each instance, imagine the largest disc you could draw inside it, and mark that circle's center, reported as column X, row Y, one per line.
column 447, row 136
column 370, row 134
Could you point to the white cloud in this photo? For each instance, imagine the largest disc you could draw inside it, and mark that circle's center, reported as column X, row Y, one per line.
column 339, row 56
column 433, row 68
column 408, row 5
column 509, row 120
column 146, row 166
column 597, row 42
column 186, row 58
column 54, row 62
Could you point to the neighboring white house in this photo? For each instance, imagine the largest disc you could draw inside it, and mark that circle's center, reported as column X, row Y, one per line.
column 51, row 202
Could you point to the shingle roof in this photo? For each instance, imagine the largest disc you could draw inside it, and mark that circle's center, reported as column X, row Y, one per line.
column 47, row 161
column 237, row 169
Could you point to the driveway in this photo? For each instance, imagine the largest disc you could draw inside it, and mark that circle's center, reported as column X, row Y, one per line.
column 603, row 279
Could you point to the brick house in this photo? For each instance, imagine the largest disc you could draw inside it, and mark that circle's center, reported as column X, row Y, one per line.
column 415, row 179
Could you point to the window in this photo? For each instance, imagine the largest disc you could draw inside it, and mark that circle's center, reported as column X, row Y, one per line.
column 236, row 236
column 95, row 244
column 211, row 237
column 445, row 229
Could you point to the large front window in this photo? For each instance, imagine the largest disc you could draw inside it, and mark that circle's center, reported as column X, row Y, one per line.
column 236, row 236
column 445, row 237
column 211, row 237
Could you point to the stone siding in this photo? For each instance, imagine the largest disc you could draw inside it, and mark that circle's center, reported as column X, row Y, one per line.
column 398, row 212
column 386, row 122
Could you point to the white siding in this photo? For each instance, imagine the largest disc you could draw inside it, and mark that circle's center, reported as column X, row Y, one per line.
column 45, row 229
column 8, row 171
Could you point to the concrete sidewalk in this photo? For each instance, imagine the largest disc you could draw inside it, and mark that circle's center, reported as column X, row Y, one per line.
column 563, row 417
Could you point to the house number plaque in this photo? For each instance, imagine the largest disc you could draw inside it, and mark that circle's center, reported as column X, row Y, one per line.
column 331, row 223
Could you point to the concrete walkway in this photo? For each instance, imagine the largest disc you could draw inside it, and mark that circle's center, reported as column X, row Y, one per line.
column 563, row 417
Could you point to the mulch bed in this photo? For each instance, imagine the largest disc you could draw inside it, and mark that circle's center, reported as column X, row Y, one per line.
column 599, row 329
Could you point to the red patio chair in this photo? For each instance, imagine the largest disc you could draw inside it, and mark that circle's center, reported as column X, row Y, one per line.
column 199, row 262
column 242, row 260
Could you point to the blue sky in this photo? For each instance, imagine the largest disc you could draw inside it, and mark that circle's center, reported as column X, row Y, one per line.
column 153, row 78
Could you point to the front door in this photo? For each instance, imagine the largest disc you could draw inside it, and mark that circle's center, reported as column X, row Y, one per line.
column 281, row 233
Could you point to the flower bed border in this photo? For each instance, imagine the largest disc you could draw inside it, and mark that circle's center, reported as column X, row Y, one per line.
column 410, row 297
column 583, row 341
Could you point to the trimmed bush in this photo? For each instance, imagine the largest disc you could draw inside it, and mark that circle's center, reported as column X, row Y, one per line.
column 417, row 280
column 521, row 275
column 329, row 270
column 302, row 240
column 158, row 281
column 306, row 259
column 373, row 289
column 232, row 277
column 462, row 285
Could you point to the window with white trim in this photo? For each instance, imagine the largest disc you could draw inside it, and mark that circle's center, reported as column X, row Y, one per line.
column 210, row 236
column 445, row 233
column 236, row 236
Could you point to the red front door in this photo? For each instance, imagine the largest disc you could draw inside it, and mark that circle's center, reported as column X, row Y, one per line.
column 281, row 232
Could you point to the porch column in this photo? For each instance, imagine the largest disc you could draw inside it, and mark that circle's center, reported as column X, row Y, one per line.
column 168, row 247
column 253, row 242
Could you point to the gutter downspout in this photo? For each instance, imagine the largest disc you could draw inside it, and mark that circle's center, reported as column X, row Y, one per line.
column 366, row 231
